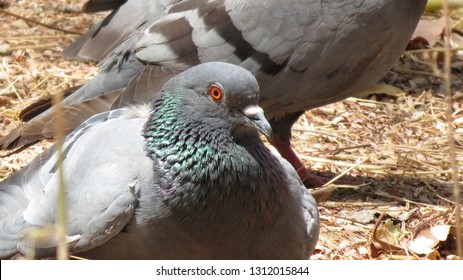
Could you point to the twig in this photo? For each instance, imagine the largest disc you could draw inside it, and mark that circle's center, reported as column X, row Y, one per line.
column 62, row 218
column 375, row 227
column 365, row 225
column 38, row 22
column 434, row 49
column 11, row 84
column 345, row 172
column 361, row 101
column 324, row 133
column 335, row 204
column 38, row 85
column 384, row 194
column 337, row 163
column 73, row 257
column 53, row 45
column 37, row 37
column 338, row 150
column 450, row 132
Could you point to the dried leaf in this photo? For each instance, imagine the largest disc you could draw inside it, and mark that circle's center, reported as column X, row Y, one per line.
column 427, row 240
column 364, row 216
column 441, row 232
column 423, row 245
column 390, row 233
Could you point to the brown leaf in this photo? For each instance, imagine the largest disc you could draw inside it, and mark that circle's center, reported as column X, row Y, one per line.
column 426, row 240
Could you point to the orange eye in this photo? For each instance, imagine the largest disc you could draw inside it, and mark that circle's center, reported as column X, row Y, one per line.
column 216, row 93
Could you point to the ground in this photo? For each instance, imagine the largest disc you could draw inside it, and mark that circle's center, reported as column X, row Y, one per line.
column 393, row 140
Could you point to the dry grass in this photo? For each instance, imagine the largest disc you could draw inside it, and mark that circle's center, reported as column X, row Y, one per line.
column 400, row 137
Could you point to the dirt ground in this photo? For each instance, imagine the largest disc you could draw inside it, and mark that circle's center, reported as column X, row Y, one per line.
column 394, row 138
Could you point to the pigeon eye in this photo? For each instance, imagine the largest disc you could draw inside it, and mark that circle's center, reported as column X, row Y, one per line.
column 216, row 93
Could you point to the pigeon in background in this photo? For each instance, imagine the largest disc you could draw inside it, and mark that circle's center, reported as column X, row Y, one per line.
column 304, row 54
column 188, row 179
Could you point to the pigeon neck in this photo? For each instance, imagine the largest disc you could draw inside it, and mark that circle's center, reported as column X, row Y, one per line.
column 205, row 174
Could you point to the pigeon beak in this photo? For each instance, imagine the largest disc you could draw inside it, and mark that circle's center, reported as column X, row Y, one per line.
column 256, row 115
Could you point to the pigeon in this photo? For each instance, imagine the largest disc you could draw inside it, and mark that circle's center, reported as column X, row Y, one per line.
column 189, row 178
column 303, row 53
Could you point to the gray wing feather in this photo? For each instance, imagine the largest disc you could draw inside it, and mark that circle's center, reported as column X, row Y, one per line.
column 270, row 28
column 30, row 194
column 104, row 37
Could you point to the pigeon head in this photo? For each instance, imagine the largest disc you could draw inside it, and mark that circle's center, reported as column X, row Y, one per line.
column 201, row 114
column 219, row 95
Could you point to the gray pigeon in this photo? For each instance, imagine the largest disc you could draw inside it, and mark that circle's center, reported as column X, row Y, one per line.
column 304, row 54
column 188, row 179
